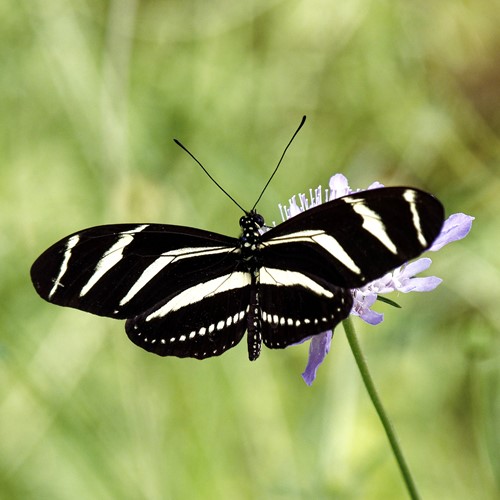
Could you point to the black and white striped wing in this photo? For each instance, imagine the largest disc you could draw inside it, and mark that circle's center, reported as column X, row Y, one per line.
column 201, row 321
column 295, row 306
column 123, row 270
column 335, row 247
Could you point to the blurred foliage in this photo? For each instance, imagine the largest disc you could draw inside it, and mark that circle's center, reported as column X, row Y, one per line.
column 92, row 94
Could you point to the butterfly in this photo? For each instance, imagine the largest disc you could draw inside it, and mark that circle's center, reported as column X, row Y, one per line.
column 188, row 292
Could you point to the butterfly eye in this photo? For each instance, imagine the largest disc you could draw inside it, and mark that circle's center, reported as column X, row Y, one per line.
column 259, row 220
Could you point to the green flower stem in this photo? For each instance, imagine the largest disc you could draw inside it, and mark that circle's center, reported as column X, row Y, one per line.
column 370, row 387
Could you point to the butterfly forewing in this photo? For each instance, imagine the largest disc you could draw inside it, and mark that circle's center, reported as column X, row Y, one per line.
column 358, row 238
column 123, row 270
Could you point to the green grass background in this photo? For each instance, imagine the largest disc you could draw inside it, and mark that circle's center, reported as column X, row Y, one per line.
column 92, row 94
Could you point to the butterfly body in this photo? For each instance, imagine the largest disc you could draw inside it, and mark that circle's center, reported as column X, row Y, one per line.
column 192, row 293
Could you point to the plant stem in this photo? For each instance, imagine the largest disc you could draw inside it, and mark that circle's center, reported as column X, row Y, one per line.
column 370, row 387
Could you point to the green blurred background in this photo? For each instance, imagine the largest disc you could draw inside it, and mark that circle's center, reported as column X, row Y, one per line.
column 92, row 94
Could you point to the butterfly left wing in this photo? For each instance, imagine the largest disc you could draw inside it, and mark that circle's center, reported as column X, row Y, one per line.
column 123, row 270
column 201, row 321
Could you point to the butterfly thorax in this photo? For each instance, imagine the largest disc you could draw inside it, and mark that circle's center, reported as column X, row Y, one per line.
column 249, row 241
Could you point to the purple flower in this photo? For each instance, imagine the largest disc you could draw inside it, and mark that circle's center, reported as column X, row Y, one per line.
column 403, row 279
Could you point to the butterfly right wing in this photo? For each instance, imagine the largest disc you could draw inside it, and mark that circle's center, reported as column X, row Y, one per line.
column 295, row 306
column 311, row 261
column 123, row 270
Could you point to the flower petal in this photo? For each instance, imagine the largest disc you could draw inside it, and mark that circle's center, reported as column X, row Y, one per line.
column 375, row 185
column 371, row 317
column 426, row 284
column 338, row 186
column 363, row 300
column 318, row 349
column 416, row 267
column 455, row 227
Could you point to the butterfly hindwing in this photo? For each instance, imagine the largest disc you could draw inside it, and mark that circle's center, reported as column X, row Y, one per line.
column 199, row 322
column 295, row 306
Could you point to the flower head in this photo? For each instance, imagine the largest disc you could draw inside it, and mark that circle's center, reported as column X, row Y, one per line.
column 402, row 279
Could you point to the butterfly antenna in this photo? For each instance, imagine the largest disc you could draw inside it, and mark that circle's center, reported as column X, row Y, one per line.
column 211, row 178
column 279, row 163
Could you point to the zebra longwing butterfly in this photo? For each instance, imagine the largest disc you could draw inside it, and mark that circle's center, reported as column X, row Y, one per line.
column 191, row 293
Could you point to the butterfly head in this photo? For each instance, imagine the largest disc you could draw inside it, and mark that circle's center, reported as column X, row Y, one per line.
column 252, row 221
